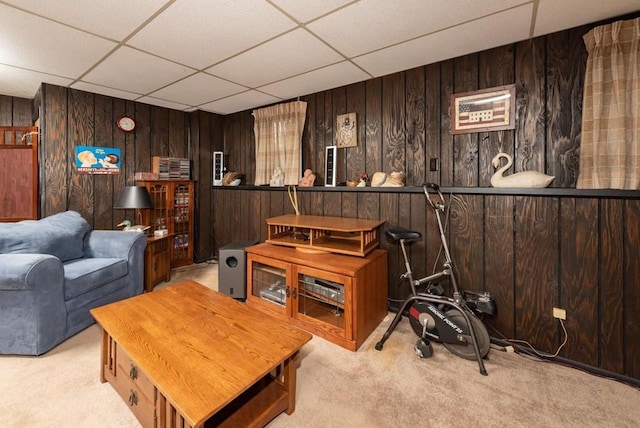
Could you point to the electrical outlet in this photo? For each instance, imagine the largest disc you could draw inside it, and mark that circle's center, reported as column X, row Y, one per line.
column 559, row 313
column 433, row 164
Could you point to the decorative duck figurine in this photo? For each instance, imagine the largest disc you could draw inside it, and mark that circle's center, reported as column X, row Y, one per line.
column 524, row 179
column 127, row 227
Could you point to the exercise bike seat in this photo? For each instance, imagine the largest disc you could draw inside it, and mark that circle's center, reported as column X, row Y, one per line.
column 397, row 233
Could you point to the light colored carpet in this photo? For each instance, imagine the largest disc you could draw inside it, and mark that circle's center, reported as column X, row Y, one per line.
column 339, row 388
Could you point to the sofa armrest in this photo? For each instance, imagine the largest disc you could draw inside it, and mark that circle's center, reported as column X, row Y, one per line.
column 125, row 245
column 30, row 271
column 113, row 243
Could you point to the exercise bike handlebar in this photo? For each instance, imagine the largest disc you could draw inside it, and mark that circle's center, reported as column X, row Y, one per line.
column 426, row 187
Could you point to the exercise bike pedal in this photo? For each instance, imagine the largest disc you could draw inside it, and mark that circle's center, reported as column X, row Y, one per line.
column 423, row 348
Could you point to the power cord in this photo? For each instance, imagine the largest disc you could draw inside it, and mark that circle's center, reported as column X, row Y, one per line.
column 530, row 347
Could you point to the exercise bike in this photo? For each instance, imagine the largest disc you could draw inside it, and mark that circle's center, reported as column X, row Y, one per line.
column 450, row 320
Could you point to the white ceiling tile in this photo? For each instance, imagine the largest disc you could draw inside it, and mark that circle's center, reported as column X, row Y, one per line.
column 299, row 50
column 556, row 15
column 333, row 76
column 164, row 103
column 305, row 11
column 102, row 90
column 115, row 19
column 134, row 71
column 508, row 26
column 198, row 89
column 373, row 24
column 200, row 33
column 41, row 45
column 17, row 82
column 239, row 102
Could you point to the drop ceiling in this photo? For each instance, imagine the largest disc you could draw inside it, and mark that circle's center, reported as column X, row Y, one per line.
column 225, row 56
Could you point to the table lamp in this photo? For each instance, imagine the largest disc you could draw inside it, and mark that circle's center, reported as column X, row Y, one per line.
column 137, row 198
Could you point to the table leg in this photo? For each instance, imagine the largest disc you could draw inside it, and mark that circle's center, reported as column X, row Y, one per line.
column 290, row 381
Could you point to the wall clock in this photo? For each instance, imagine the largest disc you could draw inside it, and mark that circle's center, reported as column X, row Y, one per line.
column 126, row 123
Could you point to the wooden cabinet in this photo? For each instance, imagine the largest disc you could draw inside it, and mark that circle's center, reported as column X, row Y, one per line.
column 18, row 173
column 157, row 261
column 340, row 298
column 173, row 210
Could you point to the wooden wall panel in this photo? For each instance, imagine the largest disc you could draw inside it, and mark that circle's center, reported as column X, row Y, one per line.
column 466, row 236
column 356, row 156
column 103, row 184
column 56, row 159
column 530, row 144
column 466, row 165
column 415, row 127
column 494, row 73
column 339, row 106
column 612, row 285
column 566, row 62
column 373, row 123
column 631, row 296
column 579, row 276
column 81, row 133
column 447, row 149
column 499, row 274
column 393, row 122
column 536, row 285
column 432, row 122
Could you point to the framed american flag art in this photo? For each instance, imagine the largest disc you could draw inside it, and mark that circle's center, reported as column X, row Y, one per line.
column 491, row 109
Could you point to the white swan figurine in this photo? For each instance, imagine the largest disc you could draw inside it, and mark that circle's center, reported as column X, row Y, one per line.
column 524, row 179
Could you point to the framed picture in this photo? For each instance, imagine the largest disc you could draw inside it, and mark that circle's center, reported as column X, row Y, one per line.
column 330, row 159
column 491, row 109
column 347, row 131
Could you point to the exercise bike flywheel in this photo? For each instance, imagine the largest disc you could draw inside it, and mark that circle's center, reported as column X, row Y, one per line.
column 420, row 314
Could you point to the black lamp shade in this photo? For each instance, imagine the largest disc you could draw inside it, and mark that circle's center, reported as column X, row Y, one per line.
column 134, row 197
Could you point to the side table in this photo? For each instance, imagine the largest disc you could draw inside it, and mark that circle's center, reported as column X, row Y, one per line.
column 157, row 261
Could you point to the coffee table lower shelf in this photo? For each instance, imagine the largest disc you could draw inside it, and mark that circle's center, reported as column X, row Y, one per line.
column 255, row 407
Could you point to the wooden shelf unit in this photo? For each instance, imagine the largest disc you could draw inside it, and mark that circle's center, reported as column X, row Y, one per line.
column 342, row 235
column 173, row 210
column 338, row 297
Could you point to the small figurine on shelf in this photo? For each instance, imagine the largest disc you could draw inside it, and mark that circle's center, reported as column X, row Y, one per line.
column 360, row 182
column 308, row 179
column 231, row 179
column 381, row 179
column 277, row 179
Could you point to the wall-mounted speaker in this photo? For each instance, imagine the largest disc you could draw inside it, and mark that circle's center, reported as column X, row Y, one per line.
column 330, row 163
column 232, row 269
column 218, row 168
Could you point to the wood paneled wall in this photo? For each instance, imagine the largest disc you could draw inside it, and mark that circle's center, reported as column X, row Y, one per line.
column 533, row 251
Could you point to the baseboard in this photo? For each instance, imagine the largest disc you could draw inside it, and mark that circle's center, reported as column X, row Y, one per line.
column 571, row 363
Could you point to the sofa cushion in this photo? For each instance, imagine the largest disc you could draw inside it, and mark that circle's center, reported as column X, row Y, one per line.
column 84, row 275
column 60, row 235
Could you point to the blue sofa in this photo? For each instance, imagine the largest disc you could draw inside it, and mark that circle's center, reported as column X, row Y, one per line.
column 54, row 270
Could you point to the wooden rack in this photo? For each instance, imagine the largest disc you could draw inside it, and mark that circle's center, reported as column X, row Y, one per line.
column 351, row 236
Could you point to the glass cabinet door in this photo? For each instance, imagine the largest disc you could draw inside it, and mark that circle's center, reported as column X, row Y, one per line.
column 159, row 214
column 269, row 283
column 181, row 220
column 320, row 297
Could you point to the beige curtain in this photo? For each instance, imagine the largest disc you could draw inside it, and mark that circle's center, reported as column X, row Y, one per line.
column 278, row 131
column 610, row 146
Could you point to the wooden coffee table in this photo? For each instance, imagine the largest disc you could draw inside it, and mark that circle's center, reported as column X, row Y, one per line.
column 186, row 355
